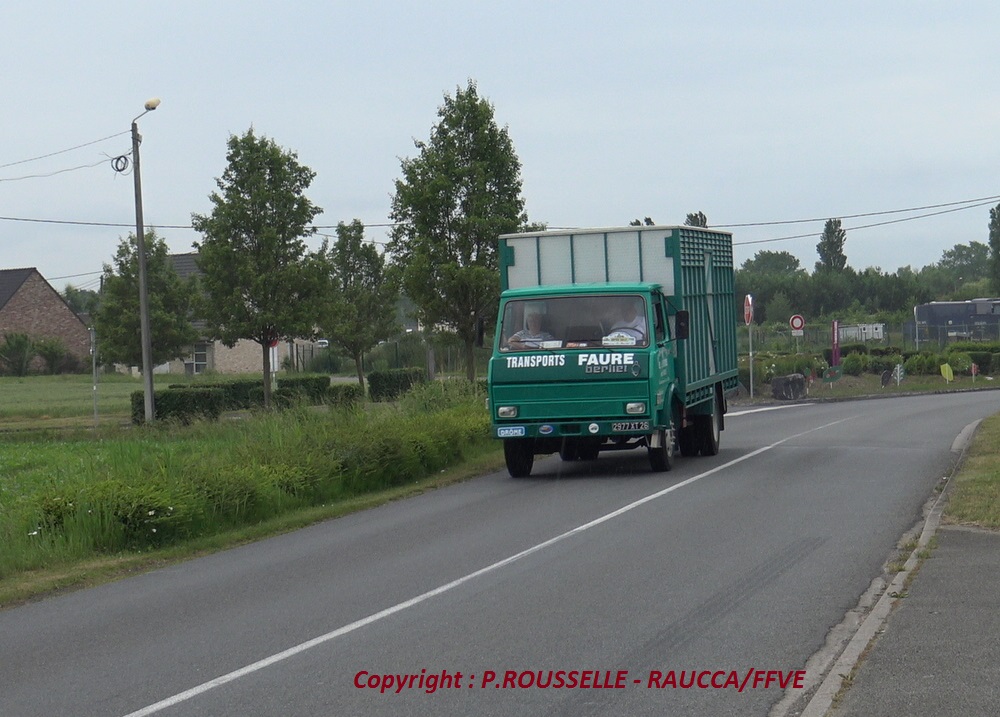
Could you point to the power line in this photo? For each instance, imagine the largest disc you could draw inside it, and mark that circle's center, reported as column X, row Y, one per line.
column 52, row 174
column 63, row 151
column 869, row 226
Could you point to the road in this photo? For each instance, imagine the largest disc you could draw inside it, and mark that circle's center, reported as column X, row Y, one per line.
column 724, row 566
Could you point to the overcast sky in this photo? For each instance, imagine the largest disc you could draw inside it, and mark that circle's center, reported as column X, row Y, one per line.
column 749, row 112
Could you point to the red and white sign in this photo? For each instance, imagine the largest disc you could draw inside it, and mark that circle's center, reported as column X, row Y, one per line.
column 748, row 309
column 797, row 323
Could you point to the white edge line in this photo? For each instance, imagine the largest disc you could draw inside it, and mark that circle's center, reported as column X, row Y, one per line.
column 399, row 607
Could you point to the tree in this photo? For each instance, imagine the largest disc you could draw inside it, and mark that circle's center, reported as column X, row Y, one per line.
column 995, row 248
column 259, row 281
column 698, row 219
column 361, row 308
column 966, row 262
column 831, row 247
column 773, row 262
column 460, row 192
column 171, row 305
column 82, row 301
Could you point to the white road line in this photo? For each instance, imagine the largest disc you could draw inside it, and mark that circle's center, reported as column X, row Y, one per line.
column 309, row 644
column 765, row 408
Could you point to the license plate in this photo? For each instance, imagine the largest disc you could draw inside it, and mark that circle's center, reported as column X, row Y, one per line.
column 511, row 432
column 630, row 426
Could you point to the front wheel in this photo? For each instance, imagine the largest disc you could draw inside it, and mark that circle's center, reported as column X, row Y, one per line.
column 661, row 456
column 519, row 454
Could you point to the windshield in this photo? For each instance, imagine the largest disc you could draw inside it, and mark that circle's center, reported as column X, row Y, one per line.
column 574, row 322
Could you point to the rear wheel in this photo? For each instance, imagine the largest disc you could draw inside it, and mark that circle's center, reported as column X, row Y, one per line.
column 568, row 450
column 519, row 453
column 710, row 430
column 661, row 457
column 589, row 451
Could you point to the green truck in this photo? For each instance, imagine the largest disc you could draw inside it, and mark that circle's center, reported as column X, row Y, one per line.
column 613, row 339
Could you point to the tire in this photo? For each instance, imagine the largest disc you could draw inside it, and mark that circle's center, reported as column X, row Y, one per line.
column 519, row 455
column 710, row 430
column 589, row 451
column 687, row 441
column 662, row 458
column 569, row 450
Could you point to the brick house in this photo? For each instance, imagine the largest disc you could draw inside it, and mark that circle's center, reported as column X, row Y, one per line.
column 29, row 305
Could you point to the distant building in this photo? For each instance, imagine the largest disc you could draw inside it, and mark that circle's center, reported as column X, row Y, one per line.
column 942, row 322
column 29, row 305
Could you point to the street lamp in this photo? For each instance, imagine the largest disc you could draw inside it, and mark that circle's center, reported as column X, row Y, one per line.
column 140, row 236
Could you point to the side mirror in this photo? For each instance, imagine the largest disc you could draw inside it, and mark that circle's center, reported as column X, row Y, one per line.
column 480, row 332
column 682, row 325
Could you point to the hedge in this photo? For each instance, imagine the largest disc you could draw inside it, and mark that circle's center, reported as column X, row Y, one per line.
column 180, row 404
column 390, row 385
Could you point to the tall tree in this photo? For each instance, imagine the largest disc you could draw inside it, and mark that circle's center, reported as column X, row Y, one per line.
column 260, row 282
column 361, row 306
column 831, row 247
column 698, row 219
column 171, row 305
column 460, row 192
column 995, row 248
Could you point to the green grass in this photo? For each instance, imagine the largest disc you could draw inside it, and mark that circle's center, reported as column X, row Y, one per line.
column 88, row 494
column 975, row 495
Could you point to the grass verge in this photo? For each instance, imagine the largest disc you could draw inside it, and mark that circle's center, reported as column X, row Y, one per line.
column 975, row 496
column 75, row 574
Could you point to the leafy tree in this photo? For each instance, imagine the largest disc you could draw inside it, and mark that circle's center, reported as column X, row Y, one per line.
column 171, row 305
column 698, row 219
column 82, row 301
column 361, row 308
column 831, row 247
column 259, row 281
column 966, row 262
column 773, row 262
column 16, row 353
column 460, row 192
column 778, row 309
column 646, row 222
column 995, row 248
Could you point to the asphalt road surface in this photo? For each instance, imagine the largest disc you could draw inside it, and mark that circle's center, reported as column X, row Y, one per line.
column 590, row 588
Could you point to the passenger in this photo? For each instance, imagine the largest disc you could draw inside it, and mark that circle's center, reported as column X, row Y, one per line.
column 531, row 337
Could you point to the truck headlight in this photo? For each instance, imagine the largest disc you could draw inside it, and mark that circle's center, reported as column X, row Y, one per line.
column 507, row 412
column 637, row 407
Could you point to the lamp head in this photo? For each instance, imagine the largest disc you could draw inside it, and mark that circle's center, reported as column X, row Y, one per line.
column 152, row 104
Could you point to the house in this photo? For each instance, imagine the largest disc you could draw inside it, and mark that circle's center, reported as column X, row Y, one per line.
column 29, row 305
column 245, row 356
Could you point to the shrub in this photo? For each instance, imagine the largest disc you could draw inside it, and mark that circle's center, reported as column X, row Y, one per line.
column 313, row 388
column 389, row 385
column 16, row 353
column 854, row 364
column 180, row 404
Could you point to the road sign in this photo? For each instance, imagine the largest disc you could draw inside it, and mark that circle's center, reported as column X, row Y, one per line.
column 797, row 323
column 833, row 373
column 748, row 309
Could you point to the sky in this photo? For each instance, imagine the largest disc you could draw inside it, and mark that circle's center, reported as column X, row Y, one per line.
column 753, row 113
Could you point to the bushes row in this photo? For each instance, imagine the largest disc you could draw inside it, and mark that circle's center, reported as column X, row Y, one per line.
column 184, row 403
